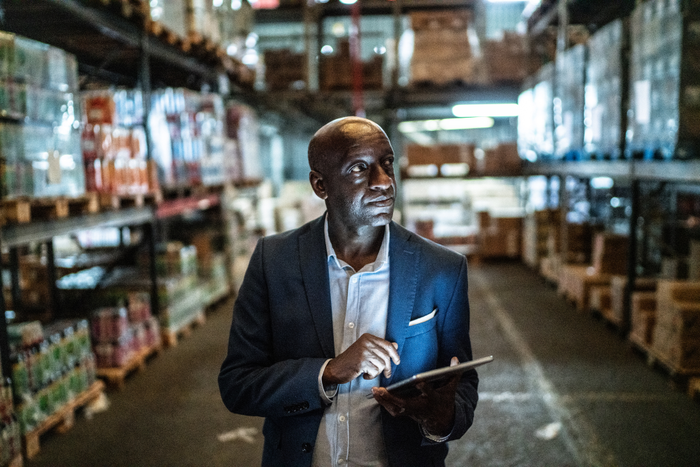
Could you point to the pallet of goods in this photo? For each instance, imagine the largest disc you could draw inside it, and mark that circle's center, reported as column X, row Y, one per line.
column 442, row 50
column 442, row 157
column 336, row 70
column 499, row 237
column 569, row 93
column 643, row 318
column 602, row 107
column 664, row 79
column 618, row 285
column 676, row 338
column 285, row 70
column 39, row 136
column 501, row 160
column 124, row 337
column 609, row 258
column 536, row 229
column 600, row 299
column 507, row 60
column 53, row 375
column 535, row 119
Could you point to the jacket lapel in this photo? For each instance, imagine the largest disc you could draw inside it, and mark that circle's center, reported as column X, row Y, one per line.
column 403, row 257
column 314, row 272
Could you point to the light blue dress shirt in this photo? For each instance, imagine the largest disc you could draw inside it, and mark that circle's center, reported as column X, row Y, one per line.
column 350, row 433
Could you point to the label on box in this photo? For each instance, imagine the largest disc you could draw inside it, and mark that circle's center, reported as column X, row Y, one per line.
column 642, row 102
column 54, row 172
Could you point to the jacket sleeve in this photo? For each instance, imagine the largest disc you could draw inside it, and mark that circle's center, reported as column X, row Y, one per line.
column 251, row 380
column 455, row 341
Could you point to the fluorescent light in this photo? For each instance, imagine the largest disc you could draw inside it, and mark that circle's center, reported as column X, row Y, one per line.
column 445, row 124
column 602, row 183
column 485, row 110
column 466, row 123
column 348, row 2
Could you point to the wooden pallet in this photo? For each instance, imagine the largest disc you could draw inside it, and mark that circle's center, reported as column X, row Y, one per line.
column 122, row 201
column 179, row 192
column 23, row 210
column 115, row 377
column 170, row 336
column 689, row 376
column 62, row 420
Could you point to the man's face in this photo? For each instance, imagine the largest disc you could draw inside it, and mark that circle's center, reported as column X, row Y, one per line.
column 359, row 182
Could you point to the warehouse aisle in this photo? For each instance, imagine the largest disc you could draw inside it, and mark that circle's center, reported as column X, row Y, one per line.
column 564, row 390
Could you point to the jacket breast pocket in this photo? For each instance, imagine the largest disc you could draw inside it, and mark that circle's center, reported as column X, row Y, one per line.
column 422, row 324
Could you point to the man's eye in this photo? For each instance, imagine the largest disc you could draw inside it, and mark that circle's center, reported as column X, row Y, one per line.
column 356, row 168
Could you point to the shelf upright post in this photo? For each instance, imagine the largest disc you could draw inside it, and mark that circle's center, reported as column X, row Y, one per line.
column 631, row 258
column 151, row 227
column 14, row 277
column 563, row 30
column 4, row 339
column 398, row 31
column 51, row 273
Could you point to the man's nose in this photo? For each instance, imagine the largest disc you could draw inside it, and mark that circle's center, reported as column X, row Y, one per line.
column 379, row 178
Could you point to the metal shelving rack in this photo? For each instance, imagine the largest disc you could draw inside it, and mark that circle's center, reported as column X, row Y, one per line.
column 112, row 47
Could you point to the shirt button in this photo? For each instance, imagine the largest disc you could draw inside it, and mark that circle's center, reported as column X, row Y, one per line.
column 341, row 418
column 351, row 325
column 354, row 280
column 341, row 461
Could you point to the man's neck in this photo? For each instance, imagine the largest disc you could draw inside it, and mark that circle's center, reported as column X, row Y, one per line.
column 357, row 248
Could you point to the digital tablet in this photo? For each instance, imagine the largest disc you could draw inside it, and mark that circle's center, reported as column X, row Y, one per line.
column 438, row 377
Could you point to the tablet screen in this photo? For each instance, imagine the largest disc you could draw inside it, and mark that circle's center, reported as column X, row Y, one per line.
column 437, row 377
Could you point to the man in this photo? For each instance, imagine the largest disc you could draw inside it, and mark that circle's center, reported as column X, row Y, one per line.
column 342, row 307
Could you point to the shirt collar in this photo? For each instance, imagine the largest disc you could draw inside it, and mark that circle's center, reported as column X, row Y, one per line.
column 382, row 256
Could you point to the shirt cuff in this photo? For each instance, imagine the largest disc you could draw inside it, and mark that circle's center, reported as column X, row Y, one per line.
column 327, row 392
column 433, row 438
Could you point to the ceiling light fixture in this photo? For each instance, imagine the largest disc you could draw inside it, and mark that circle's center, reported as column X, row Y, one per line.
column 445, row 124
column 486, row 110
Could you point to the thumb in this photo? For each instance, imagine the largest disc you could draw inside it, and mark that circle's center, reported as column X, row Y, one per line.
column 454, row 361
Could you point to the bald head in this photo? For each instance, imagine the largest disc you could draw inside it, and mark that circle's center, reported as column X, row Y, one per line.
column 335, row 138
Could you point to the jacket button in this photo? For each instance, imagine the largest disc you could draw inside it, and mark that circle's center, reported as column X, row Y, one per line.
column 306, row 447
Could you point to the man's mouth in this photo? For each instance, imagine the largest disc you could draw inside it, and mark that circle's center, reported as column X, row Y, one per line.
column 382, row 202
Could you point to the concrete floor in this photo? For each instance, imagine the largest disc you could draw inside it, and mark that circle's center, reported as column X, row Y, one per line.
column 565, row 376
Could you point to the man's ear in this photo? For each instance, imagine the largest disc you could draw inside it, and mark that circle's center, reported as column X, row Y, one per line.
column 317, row 184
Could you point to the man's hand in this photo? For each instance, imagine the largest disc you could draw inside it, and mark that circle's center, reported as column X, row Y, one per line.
column 434, row 409
column 368, row 356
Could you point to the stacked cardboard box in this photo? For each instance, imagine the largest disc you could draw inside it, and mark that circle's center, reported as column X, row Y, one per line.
column 676, row 337
column 578, row 280
column 499, row 237
column 664, row 110
column 33, row 284
column 601, row 299
column 442, row 53
column 337, row 73
column 603, row 106
column 285, row 70
column 610, row 253
column 440, row 154
column 618, row 283
column 643, row 318
column 501, row 160
column 507, row 60
column 579, row 239
column 536, row 229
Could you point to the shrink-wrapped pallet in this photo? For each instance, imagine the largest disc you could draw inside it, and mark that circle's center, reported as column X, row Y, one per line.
column 664, row 110
column 569, row 97
column 676, row 337
column 603, row 130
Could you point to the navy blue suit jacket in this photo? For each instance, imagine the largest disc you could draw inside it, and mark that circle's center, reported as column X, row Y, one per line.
column 282, row 333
